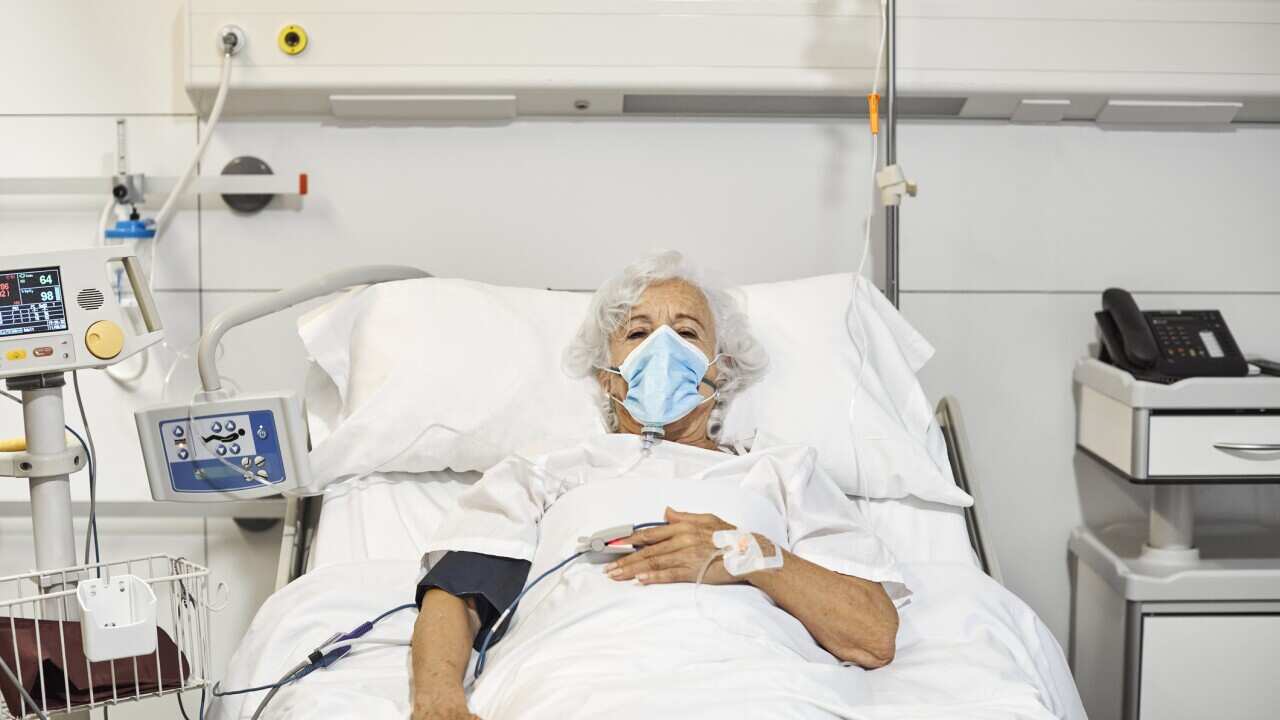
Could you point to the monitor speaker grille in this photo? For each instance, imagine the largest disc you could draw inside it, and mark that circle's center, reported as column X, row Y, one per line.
column 90, row 299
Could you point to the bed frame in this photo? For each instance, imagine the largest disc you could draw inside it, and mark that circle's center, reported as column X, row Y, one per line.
column 948, row 416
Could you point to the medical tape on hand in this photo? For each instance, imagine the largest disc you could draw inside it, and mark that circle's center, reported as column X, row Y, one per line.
column 742, row 553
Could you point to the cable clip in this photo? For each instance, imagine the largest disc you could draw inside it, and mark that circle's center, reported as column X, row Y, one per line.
column 893, row 185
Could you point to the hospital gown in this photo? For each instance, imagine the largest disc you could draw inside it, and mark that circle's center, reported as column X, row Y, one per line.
column 582, row 645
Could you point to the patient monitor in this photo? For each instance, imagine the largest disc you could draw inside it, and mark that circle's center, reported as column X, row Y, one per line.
column 59, row 311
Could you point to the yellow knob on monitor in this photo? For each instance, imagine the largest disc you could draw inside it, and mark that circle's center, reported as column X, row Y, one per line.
column 104, row 339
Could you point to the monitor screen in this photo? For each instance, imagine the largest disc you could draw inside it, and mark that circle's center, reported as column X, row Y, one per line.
column 31, row 302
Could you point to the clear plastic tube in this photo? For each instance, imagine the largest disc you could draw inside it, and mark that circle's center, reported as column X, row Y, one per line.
column 165, row 215
column 104, row 218
column 697, row 599
column 859, row 338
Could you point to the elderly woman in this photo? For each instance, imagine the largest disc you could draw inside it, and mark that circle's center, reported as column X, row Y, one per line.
column 751, row 638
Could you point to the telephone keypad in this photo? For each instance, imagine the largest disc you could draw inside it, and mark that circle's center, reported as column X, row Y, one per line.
column 1179, row 334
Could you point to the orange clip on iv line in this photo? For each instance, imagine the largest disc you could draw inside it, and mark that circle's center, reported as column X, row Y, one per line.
column 873, row 112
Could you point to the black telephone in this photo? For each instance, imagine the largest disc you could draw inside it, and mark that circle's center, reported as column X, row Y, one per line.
column 1166, row 345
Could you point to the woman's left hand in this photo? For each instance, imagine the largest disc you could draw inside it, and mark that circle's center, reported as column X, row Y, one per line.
column 677, row 551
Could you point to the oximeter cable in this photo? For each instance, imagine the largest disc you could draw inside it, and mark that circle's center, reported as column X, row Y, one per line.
column 488, row 637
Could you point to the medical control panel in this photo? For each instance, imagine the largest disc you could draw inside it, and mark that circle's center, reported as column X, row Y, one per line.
column 237, row 448
column 223, row 452
column 59, row 311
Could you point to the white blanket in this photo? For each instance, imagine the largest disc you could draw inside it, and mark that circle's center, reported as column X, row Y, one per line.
column 966, row 648
column 537, row 511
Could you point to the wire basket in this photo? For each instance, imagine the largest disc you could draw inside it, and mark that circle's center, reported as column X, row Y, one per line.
column 43, row 649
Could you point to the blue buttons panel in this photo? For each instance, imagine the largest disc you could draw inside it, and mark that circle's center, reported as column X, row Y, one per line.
column 223, row 453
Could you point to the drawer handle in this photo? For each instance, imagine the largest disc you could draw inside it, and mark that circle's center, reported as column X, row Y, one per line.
column 1249, row 447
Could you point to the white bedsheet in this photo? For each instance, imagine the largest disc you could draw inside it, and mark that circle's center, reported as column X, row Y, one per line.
column 384, row 516
column 966, row 648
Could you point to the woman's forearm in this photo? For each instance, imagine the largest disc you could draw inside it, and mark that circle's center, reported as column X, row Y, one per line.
column 851, row 618
column 441, row 648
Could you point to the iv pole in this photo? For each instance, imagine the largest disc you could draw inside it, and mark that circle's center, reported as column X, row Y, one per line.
column 891, row 153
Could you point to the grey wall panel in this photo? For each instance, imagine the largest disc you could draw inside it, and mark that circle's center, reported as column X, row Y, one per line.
column 1076, row 207
column 561, row 204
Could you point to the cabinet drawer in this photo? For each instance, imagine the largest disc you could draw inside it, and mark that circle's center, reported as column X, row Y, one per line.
column 1209, row 666
column 1202, row 445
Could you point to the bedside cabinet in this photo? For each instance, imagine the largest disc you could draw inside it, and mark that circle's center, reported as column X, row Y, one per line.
column 1168, row 620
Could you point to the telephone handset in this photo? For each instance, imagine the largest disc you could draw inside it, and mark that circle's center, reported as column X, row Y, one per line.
column 1166, row 345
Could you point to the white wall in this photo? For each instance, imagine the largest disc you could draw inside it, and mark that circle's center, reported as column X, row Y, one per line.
column 1005, row 253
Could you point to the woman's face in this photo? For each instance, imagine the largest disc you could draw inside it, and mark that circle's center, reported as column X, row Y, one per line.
column 684, row 308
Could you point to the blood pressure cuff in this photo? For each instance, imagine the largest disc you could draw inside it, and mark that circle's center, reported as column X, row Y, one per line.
column 492, row 582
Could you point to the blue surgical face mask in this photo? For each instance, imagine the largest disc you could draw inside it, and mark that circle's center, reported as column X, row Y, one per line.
column 663, row 374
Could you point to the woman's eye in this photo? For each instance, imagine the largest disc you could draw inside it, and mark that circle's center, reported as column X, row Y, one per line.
column 689, row 334
column 637, row 334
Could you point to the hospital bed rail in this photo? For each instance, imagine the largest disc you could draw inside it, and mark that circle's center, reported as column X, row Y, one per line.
column 948, row 416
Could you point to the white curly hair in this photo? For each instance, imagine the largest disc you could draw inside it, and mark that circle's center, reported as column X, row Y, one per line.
column 743, row 360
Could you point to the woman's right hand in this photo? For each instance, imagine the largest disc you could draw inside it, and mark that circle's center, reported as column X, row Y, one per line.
column 432, row 708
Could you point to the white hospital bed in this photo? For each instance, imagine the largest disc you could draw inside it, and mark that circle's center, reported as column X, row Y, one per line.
column 967, row 647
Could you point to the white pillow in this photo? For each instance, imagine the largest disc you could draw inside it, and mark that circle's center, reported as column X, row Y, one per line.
column 400, row 360
column 917, row 531
column 397, row 359
column 892, row 447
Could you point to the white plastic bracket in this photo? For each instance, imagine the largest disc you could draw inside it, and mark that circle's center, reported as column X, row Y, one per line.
column 893, row 185
column 23, row 464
